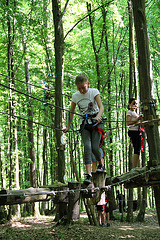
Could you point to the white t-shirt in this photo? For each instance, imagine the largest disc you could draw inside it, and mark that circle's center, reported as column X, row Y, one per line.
column 133, row 116
column 86, row 102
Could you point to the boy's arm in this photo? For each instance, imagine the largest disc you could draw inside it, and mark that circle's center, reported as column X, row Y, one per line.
column 72, row 109
column 101, row 108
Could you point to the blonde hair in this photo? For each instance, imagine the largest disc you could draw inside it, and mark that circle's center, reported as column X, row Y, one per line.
column 81, row 79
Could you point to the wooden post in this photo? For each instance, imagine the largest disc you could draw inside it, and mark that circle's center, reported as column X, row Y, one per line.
column 73, row 201
column 61, row 199
column 97, row 196
column 99, row 181
column 110, row 197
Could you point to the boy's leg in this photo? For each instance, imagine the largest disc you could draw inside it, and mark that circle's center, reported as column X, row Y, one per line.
column 103, row 217
column 99, row 217
column 107, row 215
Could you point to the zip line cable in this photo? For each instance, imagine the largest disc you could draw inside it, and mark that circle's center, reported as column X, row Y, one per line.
column 82, row 116
column 43, row 88
column 53, row 105
column 27, row 95
column 41, row 124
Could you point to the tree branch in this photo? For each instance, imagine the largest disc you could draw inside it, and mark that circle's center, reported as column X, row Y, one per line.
column 86, row 17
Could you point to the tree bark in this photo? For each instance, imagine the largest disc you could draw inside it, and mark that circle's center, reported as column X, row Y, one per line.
column 33, row 180
column 1, row 169
column 30, row 131
column 59, row 62
column 146, row 89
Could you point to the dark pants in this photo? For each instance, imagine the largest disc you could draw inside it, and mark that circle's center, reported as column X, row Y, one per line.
column 136, row 141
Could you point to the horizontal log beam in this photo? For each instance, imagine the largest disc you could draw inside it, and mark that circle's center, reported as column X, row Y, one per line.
column 30, row 195
column 139, row 177
column 136, row 185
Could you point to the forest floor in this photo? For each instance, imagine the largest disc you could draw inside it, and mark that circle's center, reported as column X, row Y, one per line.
column 45, row 228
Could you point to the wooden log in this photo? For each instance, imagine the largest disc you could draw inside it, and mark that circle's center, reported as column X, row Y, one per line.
column 88, row 191
column 133, row 175
column 97, row 194
column 30, row 195
column 139, row 177
column 73, row 201
column 99, row 182
column 128, row 185
column 61, row 195
column 61, row 201
column 110, row 194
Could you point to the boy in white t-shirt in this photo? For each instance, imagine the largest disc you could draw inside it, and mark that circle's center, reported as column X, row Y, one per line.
column 134, row 133
column 90, row 109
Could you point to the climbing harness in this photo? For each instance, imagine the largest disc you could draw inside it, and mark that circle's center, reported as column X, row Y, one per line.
column 142, row 130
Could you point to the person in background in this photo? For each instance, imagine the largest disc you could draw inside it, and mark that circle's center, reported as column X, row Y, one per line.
column 107, row 212
column 134, row 133
column 101, row 215
column 121, row 201
column 101, row 210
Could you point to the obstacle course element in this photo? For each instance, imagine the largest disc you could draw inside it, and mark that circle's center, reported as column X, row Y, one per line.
column 139, row 177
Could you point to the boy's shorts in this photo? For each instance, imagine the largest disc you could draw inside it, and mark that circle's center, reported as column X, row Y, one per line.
column 100, row 208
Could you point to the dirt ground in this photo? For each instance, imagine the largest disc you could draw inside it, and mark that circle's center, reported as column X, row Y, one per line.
column 46, row 228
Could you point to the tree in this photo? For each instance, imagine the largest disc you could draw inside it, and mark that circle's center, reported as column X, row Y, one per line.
column 146, row 90
column 59, row 64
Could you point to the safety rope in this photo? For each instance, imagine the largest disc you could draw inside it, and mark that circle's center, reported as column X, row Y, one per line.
column 41, row 124
column 33, row 85
column 83, row 190
column 30, row 96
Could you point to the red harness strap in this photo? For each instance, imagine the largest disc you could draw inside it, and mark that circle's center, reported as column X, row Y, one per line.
column 101, row 131
column 142, row 130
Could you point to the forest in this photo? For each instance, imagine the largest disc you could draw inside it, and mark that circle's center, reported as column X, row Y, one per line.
column 44, row 46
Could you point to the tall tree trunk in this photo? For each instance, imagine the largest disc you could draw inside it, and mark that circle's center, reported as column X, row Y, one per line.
column 133, row 82
column 109, row 102
column 146, row 90
column 59, row 62
column 45, row 151
column 10, row 103
column 33, row 180
column 141, row 214
column 17, row 207
column 1, row 169
column 30, row 131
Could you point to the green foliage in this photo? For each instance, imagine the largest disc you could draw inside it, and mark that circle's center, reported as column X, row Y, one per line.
column 32, row 38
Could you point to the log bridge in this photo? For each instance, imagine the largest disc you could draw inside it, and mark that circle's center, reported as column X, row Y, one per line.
column 139, row 177
column 67, row 196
